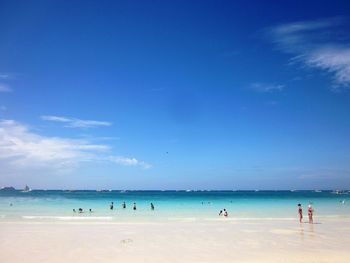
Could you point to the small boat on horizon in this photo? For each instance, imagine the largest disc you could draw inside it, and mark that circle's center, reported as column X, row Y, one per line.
column 26, row 189
column 340, row 192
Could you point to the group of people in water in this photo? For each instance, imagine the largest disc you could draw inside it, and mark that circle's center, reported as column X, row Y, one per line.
column 223, row 213
column 111, row 207
column 310, row 212
column 81, row 210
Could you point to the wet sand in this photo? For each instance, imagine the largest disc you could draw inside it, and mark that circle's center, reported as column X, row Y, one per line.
column 195, row 241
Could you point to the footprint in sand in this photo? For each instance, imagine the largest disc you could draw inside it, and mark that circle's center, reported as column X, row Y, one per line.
column 126, row 241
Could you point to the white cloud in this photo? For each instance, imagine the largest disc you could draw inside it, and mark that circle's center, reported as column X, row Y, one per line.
column 264, row 87
column 320, row 44
column 333, row 60
column 76, row 123
column 22, row 148
column 5, row 88
column 129, row 161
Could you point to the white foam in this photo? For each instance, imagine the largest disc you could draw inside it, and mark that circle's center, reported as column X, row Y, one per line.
column 70, row 218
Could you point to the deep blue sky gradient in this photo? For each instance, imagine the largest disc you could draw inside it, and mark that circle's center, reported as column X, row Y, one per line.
column 176, row 76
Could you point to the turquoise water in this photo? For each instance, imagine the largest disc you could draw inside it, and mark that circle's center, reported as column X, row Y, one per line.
column 40, row 205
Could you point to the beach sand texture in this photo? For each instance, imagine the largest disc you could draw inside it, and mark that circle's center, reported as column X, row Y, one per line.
column 197, row 241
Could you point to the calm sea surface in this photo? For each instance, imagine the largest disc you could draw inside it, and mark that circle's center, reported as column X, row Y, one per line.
column 40, row 205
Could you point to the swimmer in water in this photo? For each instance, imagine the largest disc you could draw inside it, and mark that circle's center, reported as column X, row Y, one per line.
column 134, row 207
column 111, row 206
column 152, row 206
column 124, row 205
column 300, row 212
column 220, row 214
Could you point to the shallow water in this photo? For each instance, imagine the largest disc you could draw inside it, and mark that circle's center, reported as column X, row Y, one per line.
column 40, row 205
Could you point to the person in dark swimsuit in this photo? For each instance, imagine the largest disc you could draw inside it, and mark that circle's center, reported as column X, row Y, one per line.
column 152, row 206
column 300, row 212
column 111, row 206
column 220, row 214
column 134, row 207
column 124, row 205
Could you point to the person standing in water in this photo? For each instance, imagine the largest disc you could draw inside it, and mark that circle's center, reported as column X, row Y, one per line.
column 300, row 212
column 310, row 212
column 134, row 207
column 152, row 206
column 124, row 205
column 111, row 206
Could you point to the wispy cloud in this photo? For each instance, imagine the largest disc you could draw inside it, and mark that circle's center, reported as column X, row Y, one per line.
column 5, row 88
column 4, row 76
column 129, row 161
column 7, row 75
column 21, row 147
column 319, row 44
column 265, row 87
column 76, row 123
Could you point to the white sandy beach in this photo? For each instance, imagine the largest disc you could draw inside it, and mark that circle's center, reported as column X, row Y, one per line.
column 196, row 241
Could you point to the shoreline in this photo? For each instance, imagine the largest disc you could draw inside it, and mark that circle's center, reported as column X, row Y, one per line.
column 156, row 218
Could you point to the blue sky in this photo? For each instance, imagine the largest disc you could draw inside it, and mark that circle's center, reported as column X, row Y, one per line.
column 175, row 95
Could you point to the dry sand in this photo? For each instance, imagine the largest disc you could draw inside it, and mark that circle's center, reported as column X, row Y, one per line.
column 217, row 241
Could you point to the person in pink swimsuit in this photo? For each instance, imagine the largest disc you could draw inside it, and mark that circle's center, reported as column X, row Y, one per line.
column 310, row 212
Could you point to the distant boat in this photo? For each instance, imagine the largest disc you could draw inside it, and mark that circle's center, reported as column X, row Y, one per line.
column 26, row 189
column 340, row 192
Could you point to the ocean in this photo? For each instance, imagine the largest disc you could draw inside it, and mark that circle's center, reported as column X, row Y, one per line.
column 58, row 205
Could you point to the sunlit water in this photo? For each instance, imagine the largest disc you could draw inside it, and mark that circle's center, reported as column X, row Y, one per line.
column 39, row 205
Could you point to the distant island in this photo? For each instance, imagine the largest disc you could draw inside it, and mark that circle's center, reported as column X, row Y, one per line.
column 8, row 188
